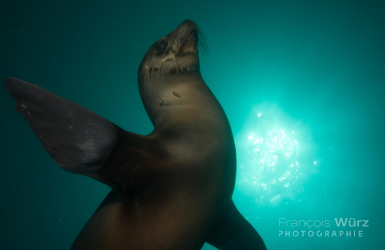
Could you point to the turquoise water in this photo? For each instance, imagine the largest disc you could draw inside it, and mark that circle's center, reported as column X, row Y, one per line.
column 302, row 83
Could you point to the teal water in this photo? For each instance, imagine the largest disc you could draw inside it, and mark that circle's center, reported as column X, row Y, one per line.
column 302, row 83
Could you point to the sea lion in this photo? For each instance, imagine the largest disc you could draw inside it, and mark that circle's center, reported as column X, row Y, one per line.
column 171, row 189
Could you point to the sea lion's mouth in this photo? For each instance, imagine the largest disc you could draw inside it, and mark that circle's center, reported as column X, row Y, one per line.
column 189, row 44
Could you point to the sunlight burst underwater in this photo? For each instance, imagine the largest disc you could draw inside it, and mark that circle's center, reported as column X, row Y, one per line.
column 275, row 156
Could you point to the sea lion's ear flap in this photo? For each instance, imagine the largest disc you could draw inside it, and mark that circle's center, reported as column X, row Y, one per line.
column 79, row 140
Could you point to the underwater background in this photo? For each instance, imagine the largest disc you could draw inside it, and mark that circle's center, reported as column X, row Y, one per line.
column 302, row 83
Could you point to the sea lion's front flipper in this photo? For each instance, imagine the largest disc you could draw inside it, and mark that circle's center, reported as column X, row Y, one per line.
column 234, row 232
column 79, row 140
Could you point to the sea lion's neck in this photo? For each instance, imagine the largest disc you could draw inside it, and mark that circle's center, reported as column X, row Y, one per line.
column 163, row 97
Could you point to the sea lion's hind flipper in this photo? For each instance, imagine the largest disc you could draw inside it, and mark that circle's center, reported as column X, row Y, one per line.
column 79, row 140
column 234, row 232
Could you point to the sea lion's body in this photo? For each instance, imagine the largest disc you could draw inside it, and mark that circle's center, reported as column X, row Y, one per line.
column 171, row 189
column 172, row 204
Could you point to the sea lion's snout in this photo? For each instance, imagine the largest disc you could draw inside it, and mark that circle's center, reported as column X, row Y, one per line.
column 185, row 28
column 186, row 38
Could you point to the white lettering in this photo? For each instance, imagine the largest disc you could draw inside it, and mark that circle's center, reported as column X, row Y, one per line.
column 338, row 223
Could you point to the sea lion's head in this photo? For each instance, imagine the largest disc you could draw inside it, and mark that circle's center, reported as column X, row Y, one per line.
column 174, row 54
column 169, row 71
